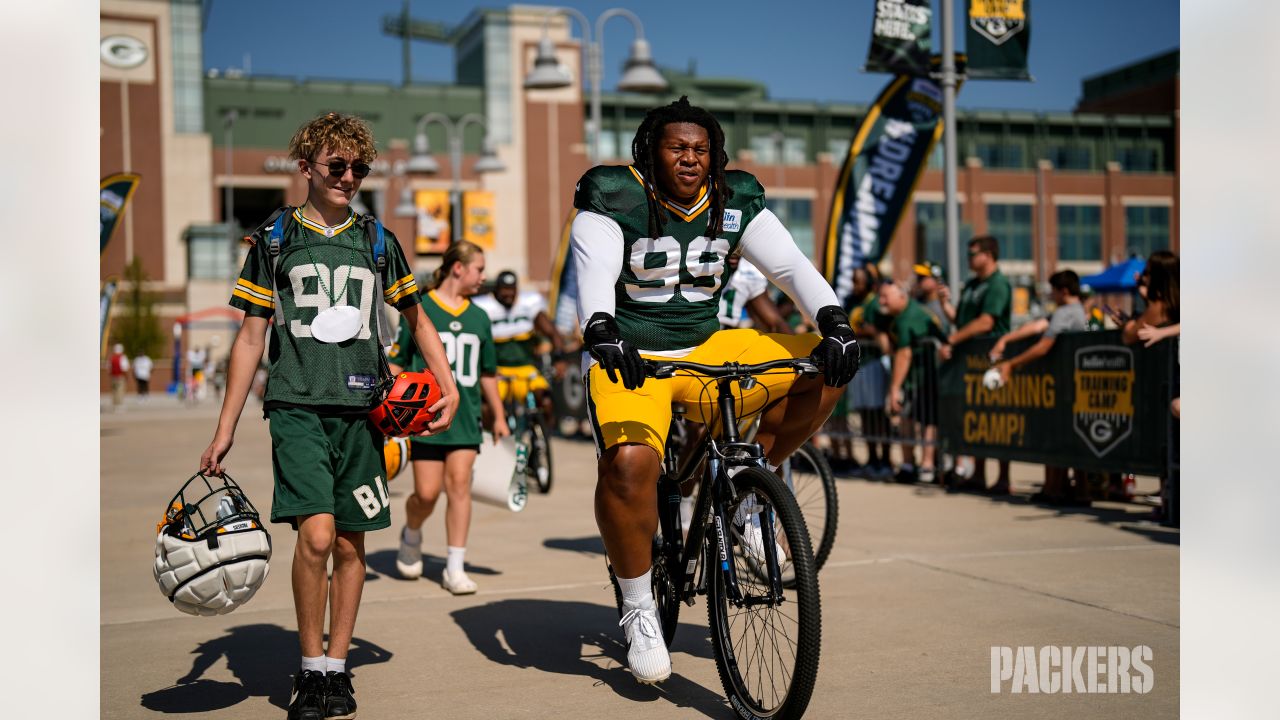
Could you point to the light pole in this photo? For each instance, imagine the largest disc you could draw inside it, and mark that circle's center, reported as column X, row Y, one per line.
column 228, row 190
column 422, row 161
column 639, row 73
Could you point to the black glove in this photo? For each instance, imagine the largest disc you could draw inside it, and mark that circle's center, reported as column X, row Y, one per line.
column 615, row 355
column 838, row 352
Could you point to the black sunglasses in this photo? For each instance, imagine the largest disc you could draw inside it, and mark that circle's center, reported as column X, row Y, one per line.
column 338, row 167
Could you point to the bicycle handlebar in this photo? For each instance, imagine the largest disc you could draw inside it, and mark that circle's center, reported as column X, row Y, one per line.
column 660, row 369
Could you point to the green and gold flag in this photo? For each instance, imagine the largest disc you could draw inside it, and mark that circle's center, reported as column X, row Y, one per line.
column 997, row 37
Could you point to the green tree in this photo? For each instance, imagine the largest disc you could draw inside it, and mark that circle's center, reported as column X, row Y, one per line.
column 138, row 327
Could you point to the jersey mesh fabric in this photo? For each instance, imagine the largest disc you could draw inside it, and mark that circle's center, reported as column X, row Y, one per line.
column 303, row 370
column 468, row 343
column 514, row 335
column 668, row 290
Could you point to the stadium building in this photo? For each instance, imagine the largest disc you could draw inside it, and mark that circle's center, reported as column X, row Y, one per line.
column 1059, row 189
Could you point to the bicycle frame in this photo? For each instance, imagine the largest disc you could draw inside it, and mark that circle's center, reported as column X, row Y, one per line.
column 715, row 490
column 520, row 417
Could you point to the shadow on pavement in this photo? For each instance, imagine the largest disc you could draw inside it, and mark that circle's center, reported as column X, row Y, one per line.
column 589, row 545
column 383, row 562
column 262, row 657
column 549, row 635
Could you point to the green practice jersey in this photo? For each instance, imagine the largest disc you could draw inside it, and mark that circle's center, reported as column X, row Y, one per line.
column 319, row 267
column 467, row 337
column 993, row 296
column 668, row 288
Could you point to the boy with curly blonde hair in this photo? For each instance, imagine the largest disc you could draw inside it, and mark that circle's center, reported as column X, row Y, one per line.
column 316, row 278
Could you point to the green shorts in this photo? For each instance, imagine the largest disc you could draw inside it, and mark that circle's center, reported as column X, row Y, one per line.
column 328, row 464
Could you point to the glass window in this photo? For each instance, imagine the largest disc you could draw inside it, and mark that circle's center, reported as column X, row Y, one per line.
column 1137, row 159
column 796, row 215
column 931, row 224
column 1000, row 155
column 608, row 144
column 1079, row 232
column 839, row 149
column 1146, row 229
column 937, row 158
column 1011, row 225
column 793, row 151
column 1071, row 157
column 211, row 255
column 765, row 149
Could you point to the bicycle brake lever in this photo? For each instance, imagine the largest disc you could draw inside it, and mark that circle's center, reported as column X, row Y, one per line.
column 659, row 371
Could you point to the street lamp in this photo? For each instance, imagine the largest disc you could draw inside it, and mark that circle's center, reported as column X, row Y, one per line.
column 638, row 73
column 228, row 191
column 423, row 162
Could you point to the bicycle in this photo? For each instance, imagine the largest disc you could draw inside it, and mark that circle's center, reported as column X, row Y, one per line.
column 766, row 637
column 533, row 438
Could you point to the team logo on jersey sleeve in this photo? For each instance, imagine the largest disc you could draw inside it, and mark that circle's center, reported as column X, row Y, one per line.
column 732, row 220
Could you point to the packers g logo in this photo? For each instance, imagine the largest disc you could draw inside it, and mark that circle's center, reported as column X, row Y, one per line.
column 1102, row 413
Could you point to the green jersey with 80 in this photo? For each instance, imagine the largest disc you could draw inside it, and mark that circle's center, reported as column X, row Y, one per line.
column 319, row 267
column 668, row 290
column 467, row 337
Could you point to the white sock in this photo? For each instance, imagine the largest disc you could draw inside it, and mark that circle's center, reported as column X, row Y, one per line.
column 335, row 664
column 686, row 512
column 412, row 537
column 454, row 562
column 316, row 663
column 635, row 591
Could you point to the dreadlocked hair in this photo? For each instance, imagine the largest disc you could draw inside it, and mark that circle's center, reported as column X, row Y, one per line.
column 644, row 150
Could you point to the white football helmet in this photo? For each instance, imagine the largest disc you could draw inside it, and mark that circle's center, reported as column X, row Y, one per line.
column 212, row 551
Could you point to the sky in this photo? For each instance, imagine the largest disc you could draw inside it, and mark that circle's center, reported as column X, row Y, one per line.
column 799, row 49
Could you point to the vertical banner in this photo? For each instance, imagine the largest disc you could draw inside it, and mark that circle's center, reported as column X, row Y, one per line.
column 477, row 218
column 900, row 41
column 997, row 37
column 433, row 231
column 105, row 303
column 113, row 197
column 564, row 285
column 885, row 161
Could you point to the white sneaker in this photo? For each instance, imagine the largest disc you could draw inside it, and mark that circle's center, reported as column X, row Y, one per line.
column 457, row 583
column 409, row 559
column 647, row 654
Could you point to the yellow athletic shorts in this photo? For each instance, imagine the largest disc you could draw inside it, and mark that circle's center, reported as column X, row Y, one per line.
column 523, row 379
column 643, row 415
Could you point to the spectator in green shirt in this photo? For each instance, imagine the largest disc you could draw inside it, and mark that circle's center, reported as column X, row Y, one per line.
column 909, row 326
column 984, row 308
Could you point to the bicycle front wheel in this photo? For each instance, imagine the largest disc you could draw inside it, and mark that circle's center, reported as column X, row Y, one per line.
column 766, row 651
column 539, row 466
column 814, row 486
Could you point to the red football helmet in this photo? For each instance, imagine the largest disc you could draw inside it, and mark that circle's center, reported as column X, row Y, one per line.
column 404, row 411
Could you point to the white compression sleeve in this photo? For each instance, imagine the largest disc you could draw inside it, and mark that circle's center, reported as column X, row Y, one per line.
column 596, row 244
column 770, row 247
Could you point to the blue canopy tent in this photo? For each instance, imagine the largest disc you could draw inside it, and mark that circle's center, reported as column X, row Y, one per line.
column 1120, row 277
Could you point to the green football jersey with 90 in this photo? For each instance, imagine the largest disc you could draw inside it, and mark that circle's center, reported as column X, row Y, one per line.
column 668, row 288
column 319, row 267
column 467, row 336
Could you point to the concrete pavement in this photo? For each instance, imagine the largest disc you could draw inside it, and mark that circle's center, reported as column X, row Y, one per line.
column 919, row 587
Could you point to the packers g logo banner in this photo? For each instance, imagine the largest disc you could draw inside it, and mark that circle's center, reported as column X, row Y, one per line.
column 1103, row 410
column 997, row 39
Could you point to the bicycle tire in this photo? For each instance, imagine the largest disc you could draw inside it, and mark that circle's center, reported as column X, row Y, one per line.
column 815, row 489
column 733, row 629
column 664, row 596
column 540, row 467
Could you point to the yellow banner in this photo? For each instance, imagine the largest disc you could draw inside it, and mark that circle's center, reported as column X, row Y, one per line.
column 1007, row 9
column 478, row 218
column 431, row 236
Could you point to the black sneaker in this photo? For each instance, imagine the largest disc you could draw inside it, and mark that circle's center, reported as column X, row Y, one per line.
column 308, row 696
column 339, row 702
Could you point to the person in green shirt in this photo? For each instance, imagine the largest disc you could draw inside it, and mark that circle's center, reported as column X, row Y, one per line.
column 985, row 307
column 909, row 326
column 445, row 460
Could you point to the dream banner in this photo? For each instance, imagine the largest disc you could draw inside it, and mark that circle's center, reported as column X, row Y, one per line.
column 996, row 39
column 113, row 197
column 900, row 38
column 105, row 302
column 1091, row 403
column 885, row 161
column 564, row 284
